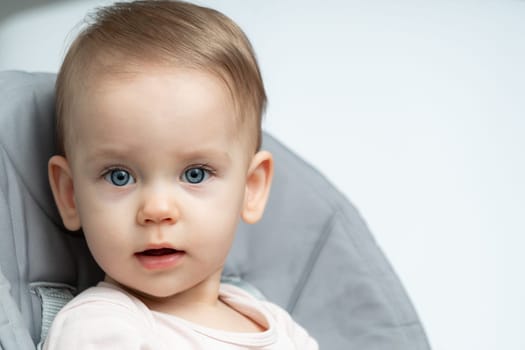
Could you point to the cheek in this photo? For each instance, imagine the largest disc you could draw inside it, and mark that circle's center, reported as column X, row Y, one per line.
column 230, row 200
column 96, row 202
column 100, row 230
column 107, row 239
column 217, row 217
column 101, row 221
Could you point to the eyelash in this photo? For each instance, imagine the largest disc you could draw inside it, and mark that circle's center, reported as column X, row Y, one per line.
column 204, row 166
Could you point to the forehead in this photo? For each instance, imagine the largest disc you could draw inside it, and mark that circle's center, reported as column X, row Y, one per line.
column 165, row 106
column 179, row 83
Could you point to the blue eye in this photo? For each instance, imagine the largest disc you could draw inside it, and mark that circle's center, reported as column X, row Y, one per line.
column 195, row 175
column 119, row 177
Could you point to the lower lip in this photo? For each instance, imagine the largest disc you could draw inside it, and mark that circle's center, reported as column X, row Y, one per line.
column 160, row 262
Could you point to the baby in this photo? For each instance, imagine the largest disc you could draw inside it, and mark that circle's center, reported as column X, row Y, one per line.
column 159, row 107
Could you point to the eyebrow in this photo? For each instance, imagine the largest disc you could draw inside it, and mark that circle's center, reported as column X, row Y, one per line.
column 198, row 153
column 204, row 153
column 106, row 152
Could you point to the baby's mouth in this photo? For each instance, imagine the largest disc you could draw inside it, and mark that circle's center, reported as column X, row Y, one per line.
column 158, row 252
column 159, row 258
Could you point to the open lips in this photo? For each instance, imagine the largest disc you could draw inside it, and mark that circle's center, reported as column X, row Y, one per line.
column 159, row 258
column 158, row 252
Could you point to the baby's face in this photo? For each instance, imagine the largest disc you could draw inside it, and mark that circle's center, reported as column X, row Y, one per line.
column 159, row 177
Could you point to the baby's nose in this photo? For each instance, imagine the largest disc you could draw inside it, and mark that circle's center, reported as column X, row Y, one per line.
column 158, row 208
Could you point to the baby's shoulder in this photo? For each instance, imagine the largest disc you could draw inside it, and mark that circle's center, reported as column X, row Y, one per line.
column 105, row 298
column 100, row 315
column 249, row 304
column 276, row 317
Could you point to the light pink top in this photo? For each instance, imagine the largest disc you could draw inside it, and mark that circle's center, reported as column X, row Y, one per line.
column 107, row 317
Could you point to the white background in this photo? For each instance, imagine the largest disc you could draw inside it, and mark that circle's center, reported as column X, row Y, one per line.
column 416, row 111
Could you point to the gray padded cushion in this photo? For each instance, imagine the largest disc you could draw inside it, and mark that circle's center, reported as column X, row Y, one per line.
column 33, row 245
column 311, row 253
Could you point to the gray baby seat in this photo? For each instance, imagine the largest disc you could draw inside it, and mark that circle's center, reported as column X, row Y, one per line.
column 312, row 253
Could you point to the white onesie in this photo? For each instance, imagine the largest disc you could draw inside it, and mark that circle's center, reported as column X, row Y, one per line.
column 107, row 317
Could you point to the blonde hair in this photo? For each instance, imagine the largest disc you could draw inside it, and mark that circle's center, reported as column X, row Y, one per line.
column 171, row 33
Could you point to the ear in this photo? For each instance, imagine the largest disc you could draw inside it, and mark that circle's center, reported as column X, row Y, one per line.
column 258, row 185
column 61, row 181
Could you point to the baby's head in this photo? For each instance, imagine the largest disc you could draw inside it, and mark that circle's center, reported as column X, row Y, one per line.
column 159, row 109
column 131, row 38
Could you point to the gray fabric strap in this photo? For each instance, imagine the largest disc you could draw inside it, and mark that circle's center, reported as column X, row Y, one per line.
column 54, row 297
column 14, row 334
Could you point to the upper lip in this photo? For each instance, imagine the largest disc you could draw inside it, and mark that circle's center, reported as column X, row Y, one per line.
column 156, row 246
